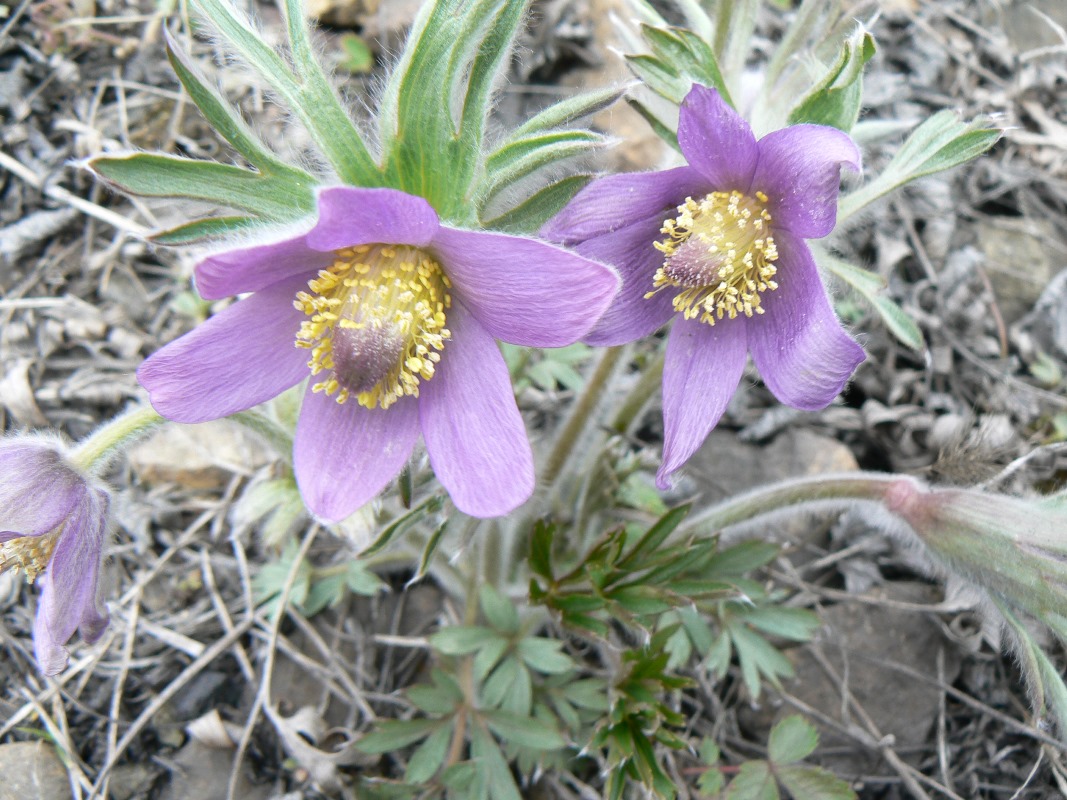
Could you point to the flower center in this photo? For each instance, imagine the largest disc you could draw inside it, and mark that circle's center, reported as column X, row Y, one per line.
column 29, row 553
column 376, row 323
column 720, row 254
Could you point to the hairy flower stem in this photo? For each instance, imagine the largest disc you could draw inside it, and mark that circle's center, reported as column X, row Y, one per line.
column 95, row 452
column 646, row 386
column 278, row 438
column 841, row 491
column 580, row 416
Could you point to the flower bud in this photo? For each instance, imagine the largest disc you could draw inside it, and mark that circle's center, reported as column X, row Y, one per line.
column 53, row 519
column 1013, row 548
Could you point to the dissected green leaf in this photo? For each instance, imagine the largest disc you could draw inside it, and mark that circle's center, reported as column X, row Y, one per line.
column 395, row 734
column 813, row 783
column 798, row 624
column 458, row 640
column 662, row 129
column 498, row 610
column 500, row 782
column 200, row 229
column 545, row 655
column 429, row 756
column 307, row 92
column 159, row 175
column 940, row 143
column 523, row 158
column 870, row 287
column 753, row 782
column 792, row 739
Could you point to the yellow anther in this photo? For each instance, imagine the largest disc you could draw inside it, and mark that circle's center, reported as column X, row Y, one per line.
column 719, row 253
column 31, row 554
column 376, row 323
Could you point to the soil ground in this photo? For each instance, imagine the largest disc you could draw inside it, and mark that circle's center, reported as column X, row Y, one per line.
column 914, row 695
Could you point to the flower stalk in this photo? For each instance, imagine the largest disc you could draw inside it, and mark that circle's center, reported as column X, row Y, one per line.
column 96, row 451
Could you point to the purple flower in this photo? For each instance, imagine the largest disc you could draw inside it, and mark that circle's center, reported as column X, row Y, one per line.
column 719, row 245
column 395, row 316
column 52, row 524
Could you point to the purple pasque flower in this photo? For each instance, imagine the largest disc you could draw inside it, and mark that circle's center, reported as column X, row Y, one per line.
column 719, row 246
column 53, row 519
column 395, row 314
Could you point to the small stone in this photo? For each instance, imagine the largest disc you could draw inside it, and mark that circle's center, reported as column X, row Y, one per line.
column 198, row 456
column 1020, row 264
column 32, row 771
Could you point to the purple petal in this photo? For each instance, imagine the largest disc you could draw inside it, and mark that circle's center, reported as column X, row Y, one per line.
column 703, row 366
column 473, row 430
column 716, row 141
column 608, row 204
column 344, row 455
column 250, row 269
column 38, row 490
column 630, row 315
column 69, row 587
column 800, row 171
column 522, row 290
column 349, row 217
column 798, row 345
column 237, row 359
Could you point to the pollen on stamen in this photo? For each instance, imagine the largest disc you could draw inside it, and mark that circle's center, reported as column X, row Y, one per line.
column 30, row 554
column 376, row 323
column 719, row 253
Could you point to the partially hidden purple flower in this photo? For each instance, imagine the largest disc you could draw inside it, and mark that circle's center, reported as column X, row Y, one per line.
column 53, row 520
column 395, row 315
column 719, row 245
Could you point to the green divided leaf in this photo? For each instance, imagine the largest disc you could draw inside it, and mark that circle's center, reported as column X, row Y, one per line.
column 523, row 730
column 198, row 230
column 458, row 640
column 941, row 142
column 305, row 90
column 498, row 610
column 157, row 175
column 396, row 734
column 429, row 756
column 532, row 213
column 870, row 288
column 813, row 783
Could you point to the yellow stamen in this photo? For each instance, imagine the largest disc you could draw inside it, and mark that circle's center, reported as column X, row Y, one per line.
column 376, row 323
column 719, row 252
column 31, row 554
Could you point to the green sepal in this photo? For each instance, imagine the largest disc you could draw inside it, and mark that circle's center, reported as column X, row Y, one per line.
column 940, row 143
column 688, row 55
column 568, row 111
column 870, row 287
column 536, row 210
column 453, row 56
column 520, row 159
column 835, row 100
column 660, row 77
column 305, row 90
column 159, row 175
column 201, row 229
column 226, row 121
